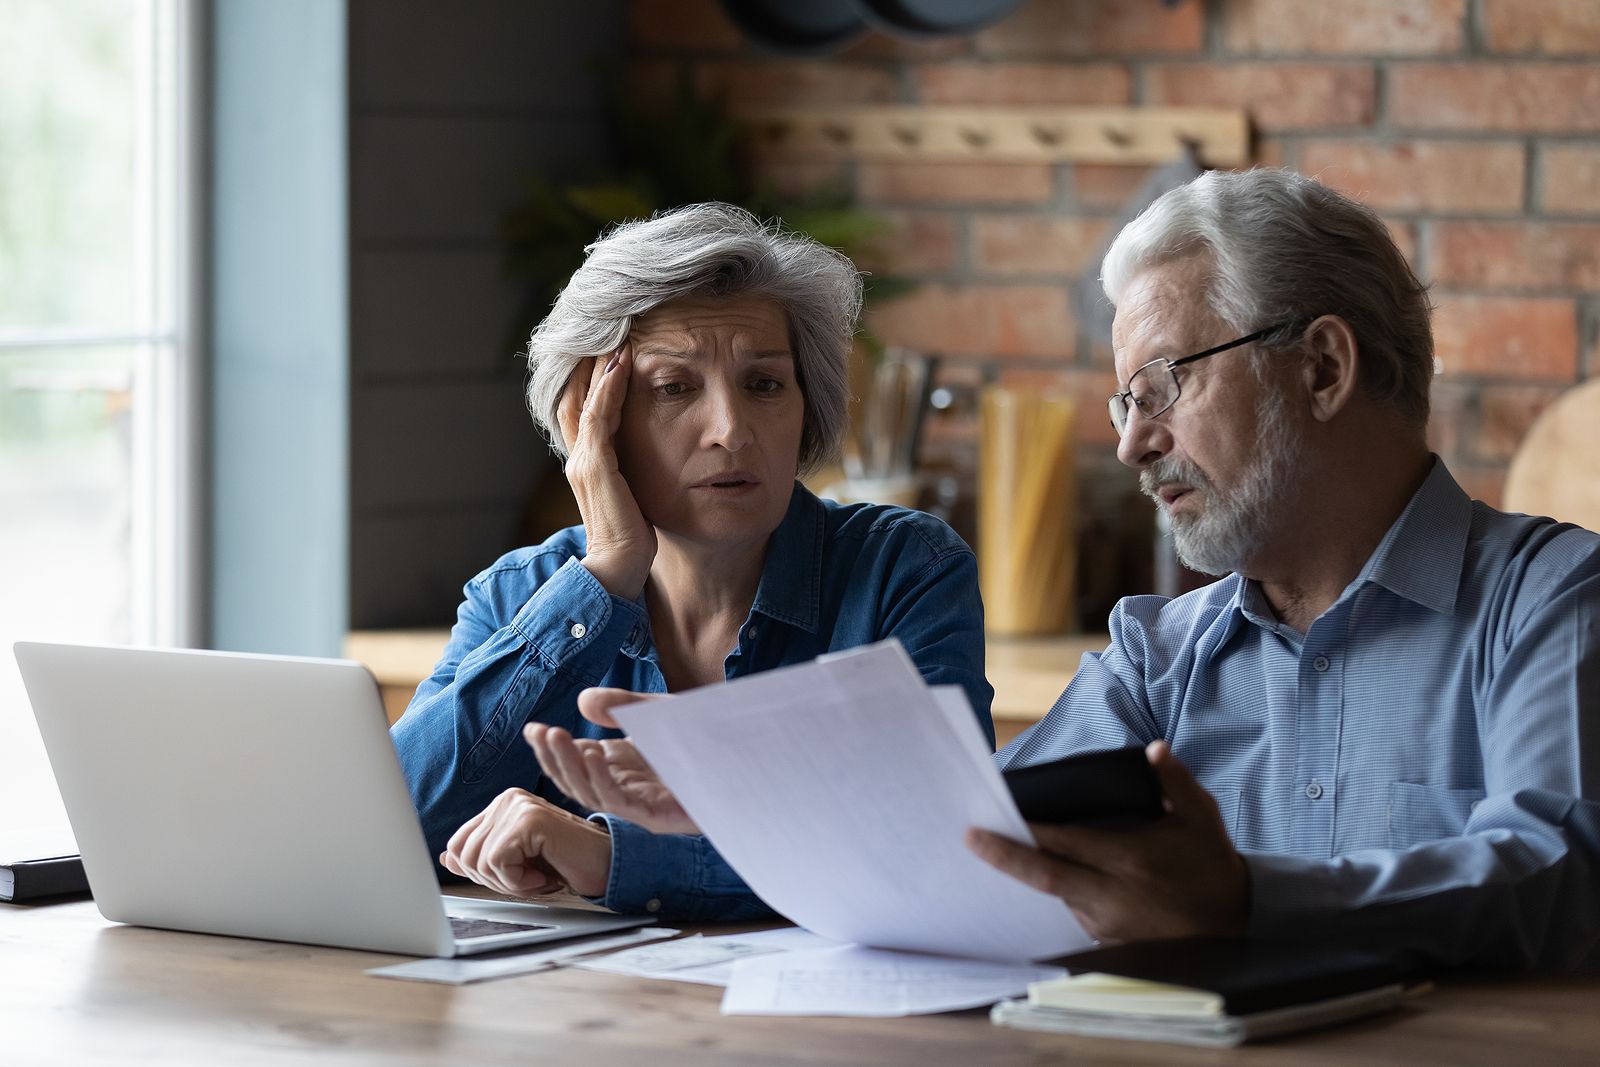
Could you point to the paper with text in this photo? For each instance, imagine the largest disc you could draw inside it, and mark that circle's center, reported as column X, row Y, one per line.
column 864, row 981
column 706, row 960
column 841, row 791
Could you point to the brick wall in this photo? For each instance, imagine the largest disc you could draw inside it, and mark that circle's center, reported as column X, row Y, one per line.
column 1473, row 126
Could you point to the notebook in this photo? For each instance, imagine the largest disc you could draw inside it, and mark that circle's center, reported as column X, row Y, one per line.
column 1205, row 991
column 35, row 865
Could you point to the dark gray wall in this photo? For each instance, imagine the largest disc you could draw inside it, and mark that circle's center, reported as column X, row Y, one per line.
column 452, row 107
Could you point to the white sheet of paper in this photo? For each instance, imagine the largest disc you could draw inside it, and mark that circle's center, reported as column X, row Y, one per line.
column 841, row 790
column 852, row 980
column 706, row 960
column 460, row 970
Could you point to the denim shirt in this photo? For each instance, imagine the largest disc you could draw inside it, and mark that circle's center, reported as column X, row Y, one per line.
column 1419, row 770
column 537, row 627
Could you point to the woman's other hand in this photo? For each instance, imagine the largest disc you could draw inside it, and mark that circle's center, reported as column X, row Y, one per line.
column 523, row 846
column 609, row 776
column 621, row 544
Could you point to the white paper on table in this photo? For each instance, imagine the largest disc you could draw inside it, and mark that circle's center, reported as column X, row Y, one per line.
column 852, row 980
column 706, row 960
column 460, row 970
column 841, row 791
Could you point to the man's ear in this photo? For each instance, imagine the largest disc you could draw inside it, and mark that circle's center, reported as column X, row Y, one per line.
column 1333, row 365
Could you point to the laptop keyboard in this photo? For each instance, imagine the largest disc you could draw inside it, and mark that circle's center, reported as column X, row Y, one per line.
column 466, row 929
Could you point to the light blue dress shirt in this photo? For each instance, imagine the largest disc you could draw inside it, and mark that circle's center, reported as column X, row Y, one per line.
column 1421, row 769
column 536, row 628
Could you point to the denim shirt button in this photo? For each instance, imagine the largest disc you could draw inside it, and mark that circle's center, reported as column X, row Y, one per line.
column 652, row 905
column 578, row 630
column 750, row 634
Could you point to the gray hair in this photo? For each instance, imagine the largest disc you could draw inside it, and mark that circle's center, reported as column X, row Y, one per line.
column 1285, row 250
column 706, row 249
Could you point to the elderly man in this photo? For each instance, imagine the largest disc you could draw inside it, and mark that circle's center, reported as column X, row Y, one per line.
column 1383, row 728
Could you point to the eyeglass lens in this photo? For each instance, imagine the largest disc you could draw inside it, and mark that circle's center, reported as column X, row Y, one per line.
column 1152, row 389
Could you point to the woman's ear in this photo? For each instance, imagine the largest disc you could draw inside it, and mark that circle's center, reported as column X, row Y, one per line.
column 1333, row 365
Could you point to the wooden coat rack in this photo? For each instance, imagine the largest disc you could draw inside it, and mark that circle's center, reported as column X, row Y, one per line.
column 1220, row 137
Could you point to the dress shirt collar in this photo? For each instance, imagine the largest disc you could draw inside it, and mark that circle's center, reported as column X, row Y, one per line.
column 1420, row 558
column 791, row 578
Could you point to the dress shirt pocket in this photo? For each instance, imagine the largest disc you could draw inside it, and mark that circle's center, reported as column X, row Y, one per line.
column 1228, row 804
column 1421, row 813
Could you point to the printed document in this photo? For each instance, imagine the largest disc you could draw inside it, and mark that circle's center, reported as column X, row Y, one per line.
column 840, row 790
column 862, row 981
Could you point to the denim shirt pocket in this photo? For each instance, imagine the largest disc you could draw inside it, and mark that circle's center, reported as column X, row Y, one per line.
column 1421, row 813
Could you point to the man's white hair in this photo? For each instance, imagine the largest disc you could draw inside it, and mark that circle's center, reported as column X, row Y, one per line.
column 1285, row 249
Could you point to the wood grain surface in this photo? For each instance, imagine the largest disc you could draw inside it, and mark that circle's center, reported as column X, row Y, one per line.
column 75, row 989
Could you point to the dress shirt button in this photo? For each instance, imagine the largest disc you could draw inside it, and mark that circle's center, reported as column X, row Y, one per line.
column 1320, row 663
column 578, row 630
column 652, row 905
column 1313, row 790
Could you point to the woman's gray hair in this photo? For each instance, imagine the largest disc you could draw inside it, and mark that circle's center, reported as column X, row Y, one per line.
column 706, row 249
column 1285, row 250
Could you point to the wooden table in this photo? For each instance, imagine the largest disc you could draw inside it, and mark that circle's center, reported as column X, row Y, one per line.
column 1027, row 673
column 77, row 989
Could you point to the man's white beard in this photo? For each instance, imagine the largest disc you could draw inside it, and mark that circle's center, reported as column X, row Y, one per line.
column 1230, row 529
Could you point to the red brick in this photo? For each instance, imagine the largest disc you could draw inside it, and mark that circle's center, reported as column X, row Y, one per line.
column 690, row 25
column 979, row 320
column 1506, row 337
column 1021, row 84
column 1105, row 186
column 781, row 82
column 1542, row 27
column 1570, row 183
column 1013, row 245
column 1452, row 407
column 1343, row 27
column 1088, row 388
column 1278, row 96
column 882, row 46
column 955, row 183
column 1097, row 28
column 799, row 178
column 1517, row 97
column 1437, row 177
column 1487, row 484
column 1404, row 235
column 917, row 242
column 1505, row 414
column 1516, row 255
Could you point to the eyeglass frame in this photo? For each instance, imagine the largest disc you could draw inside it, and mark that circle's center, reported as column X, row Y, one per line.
column 1126, row 396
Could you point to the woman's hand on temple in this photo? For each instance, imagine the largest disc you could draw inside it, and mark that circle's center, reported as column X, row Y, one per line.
column 609, row 776
column 524, row 846
column 621, row 543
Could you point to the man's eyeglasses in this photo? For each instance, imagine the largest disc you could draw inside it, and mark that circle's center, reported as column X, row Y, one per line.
column 1153, row 388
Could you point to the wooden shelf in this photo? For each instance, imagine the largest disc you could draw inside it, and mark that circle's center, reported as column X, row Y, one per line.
column 1028, row 674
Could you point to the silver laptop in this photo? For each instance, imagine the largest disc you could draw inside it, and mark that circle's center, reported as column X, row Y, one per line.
column 257, row 796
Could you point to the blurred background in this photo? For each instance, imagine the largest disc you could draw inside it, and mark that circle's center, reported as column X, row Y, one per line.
column 265, row 267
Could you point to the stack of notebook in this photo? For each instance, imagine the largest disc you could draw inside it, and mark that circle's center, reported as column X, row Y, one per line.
column 36, row 864
column 1206, row 991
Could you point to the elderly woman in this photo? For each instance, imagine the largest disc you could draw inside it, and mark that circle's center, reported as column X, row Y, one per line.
column 691, row 369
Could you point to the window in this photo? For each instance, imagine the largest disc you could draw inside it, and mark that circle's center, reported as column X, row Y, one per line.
column 97, row 410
